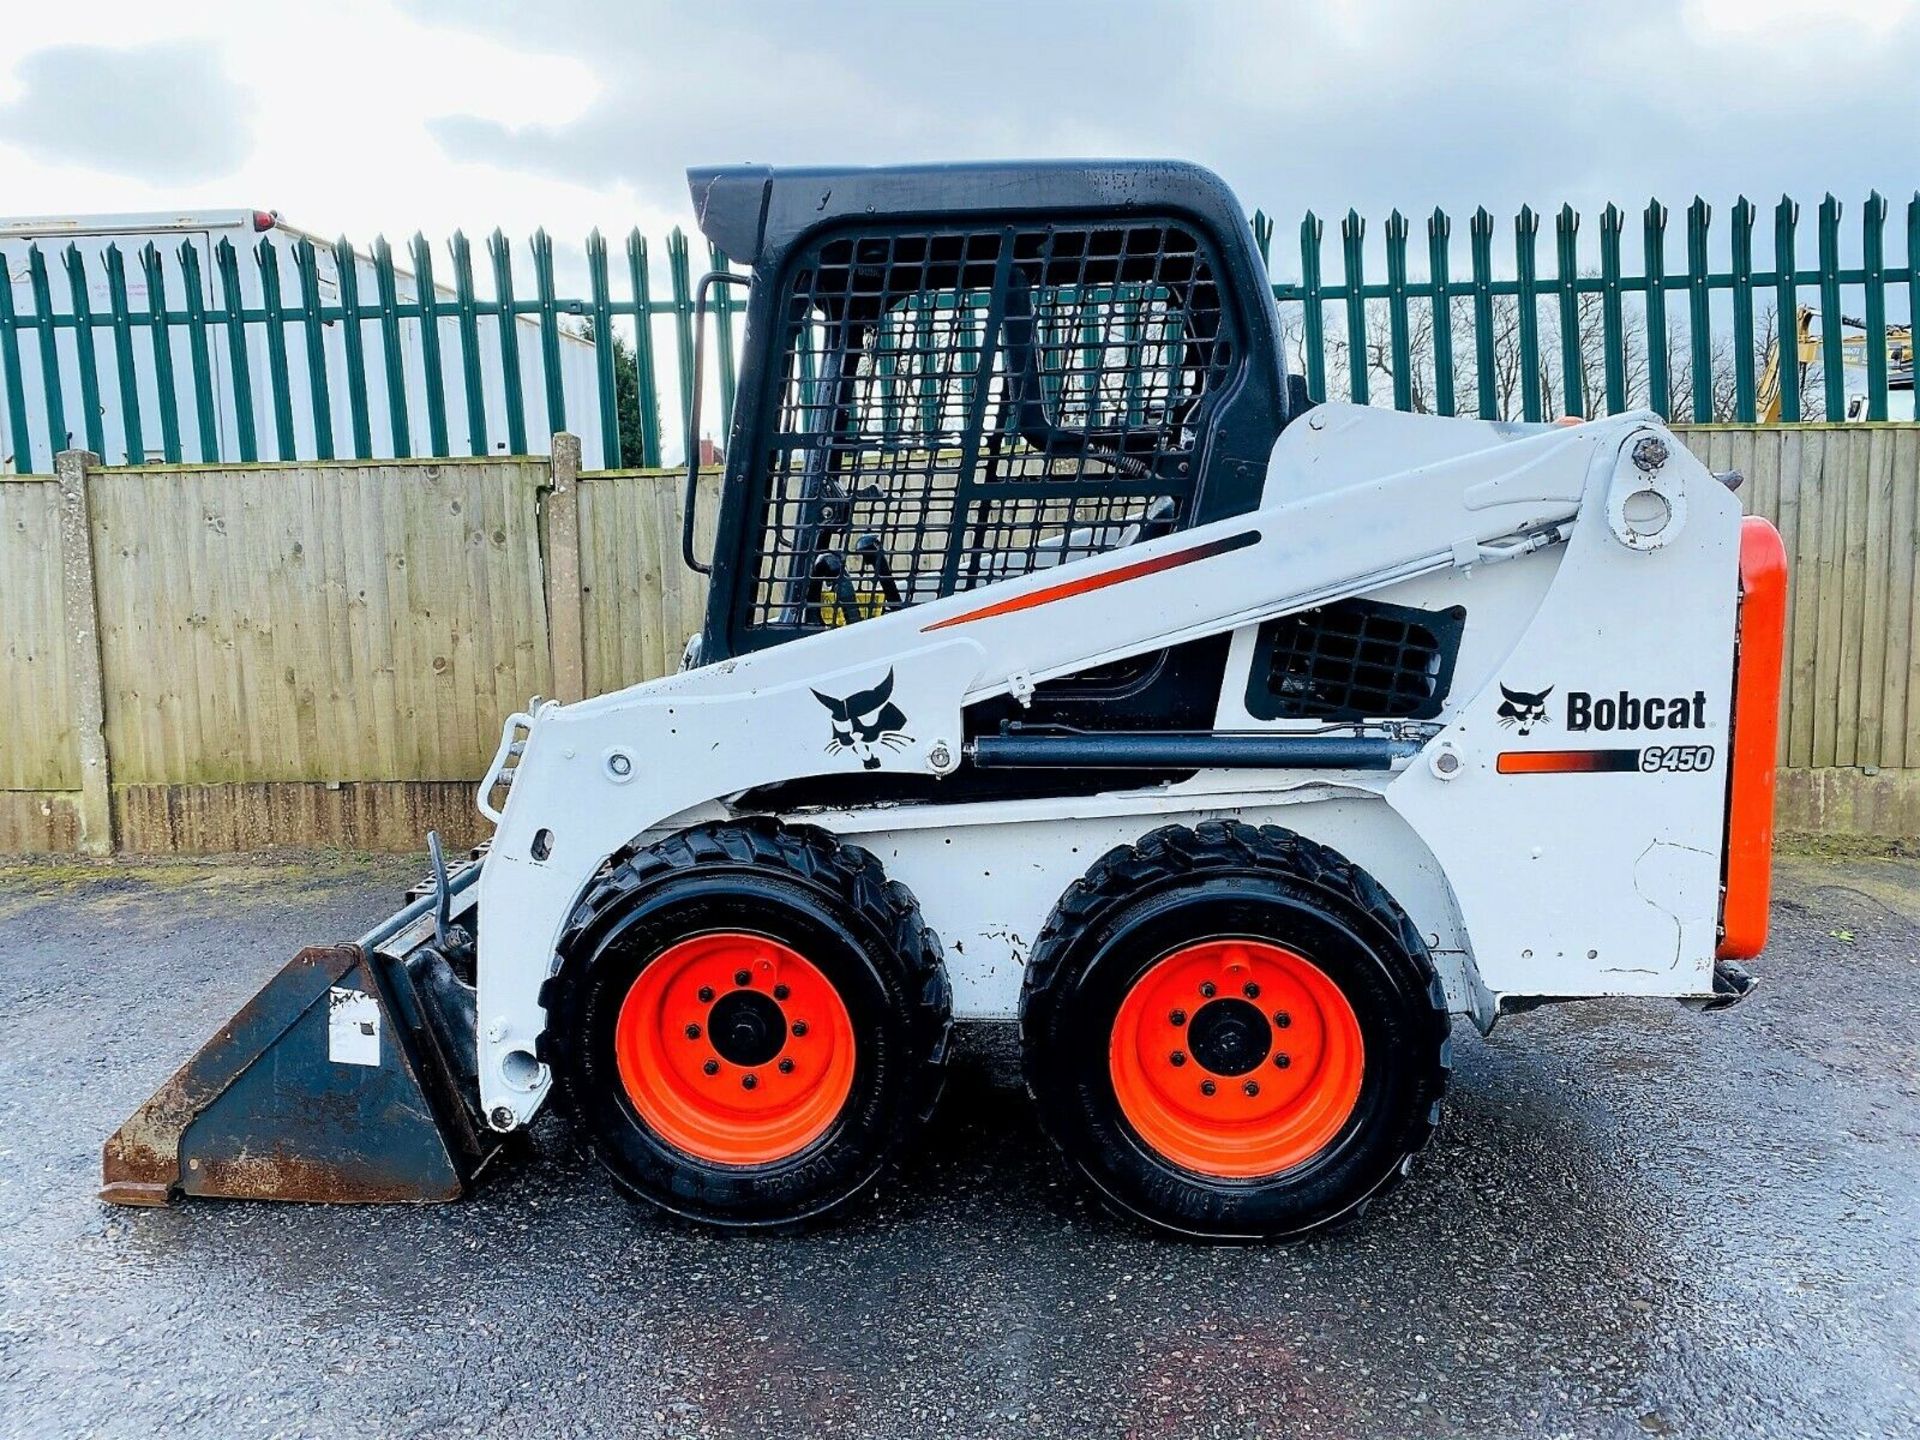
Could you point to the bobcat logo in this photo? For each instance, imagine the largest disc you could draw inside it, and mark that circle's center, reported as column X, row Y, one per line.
column 865, row 720
column 1523, row 709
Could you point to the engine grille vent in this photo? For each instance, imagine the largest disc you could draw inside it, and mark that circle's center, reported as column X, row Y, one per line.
column 1355, row 660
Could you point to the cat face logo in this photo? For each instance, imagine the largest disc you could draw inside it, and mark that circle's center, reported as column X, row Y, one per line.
column 865, row 720
column 1523, row 709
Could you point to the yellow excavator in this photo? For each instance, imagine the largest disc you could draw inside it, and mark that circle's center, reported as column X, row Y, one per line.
column 1808, row 340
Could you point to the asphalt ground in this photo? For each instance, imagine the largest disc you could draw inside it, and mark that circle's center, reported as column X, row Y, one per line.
column 1635, row 1220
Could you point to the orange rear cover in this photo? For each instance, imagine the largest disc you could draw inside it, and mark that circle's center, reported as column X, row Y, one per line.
column 1756, row 733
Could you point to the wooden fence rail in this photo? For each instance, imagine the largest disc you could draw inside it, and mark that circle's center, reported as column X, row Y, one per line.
column 214, row 658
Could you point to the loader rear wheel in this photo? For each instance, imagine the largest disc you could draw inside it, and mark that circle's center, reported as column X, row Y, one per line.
column 1234, row 1033
column 748, row 1023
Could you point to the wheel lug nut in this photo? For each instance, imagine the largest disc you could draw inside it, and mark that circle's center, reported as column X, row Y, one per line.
column 1207, row 1087
column 693, row 1032
column 741, row 977
column 706, row 994
column 712, row 1067
column 1282, row 1060
column 749, row 1082
column 1281, row 1019
column 786, row 1066
column 780, row 992
column 1251, row 990
column 1178, row 1017
column 799, row 1027
column 1252, row 1087
column 1207, row 988
column 1179, row 1057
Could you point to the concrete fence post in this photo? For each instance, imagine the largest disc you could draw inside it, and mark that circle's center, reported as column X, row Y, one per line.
column 566, row 618
column 80, row 601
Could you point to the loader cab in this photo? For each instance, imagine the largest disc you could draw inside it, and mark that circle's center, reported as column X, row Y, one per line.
column 955, row 375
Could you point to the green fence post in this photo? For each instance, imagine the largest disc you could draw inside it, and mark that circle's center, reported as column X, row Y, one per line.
column 21, row 433
column 392, row 358
column 542, row 247
column 923, row 352
column 159, row 332
column 307, row 260
column 1263, row 238
column 1786, row 310
column 204, row 417
column 126, row 375
column 1659, row 388
column 1913, row 276
column 469, row 324
column 1873, row 221
column 277, row 374
column 430, row 362
column 641, row 282
column 1573, row 380
column 503, row 308
column 1133, row 336
column 1480, row 234
column 1439, row 232
column 681, row 274
column 1699, row 316
column 1613, row 327
column 234, row 313
column 1353, row 232
column 83, row 323
column 886, row 345
column 1833, row 338
column 1399, row 327
column 723, row 311
column 346, row 270
column 57, row 437
column 606, row 380
column 1526, row 233
column 1743, row 387
column 1313, row 331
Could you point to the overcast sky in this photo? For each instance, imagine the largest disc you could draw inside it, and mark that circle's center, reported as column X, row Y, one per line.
column 395, row 115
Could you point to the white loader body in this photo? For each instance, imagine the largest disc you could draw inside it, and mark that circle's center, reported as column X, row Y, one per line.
column 1560, row 831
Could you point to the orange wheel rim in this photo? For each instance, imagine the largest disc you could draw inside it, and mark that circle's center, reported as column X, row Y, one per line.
column 735, row 1048
column 1236, row 1058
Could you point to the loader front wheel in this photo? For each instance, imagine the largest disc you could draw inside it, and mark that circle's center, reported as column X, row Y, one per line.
column 748, row 1023
column 1234, row 1033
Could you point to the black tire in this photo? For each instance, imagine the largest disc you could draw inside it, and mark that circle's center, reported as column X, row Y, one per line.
column 1177, row 886
column 803, row 888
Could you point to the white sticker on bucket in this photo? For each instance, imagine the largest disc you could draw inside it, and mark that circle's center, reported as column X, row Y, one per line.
column 353, row 1027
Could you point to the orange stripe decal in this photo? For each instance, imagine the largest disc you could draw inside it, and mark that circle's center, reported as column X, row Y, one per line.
column 1119, row 575
column 1567, row 762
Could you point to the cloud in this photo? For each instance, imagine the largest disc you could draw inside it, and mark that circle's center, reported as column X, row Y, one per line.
column 1368, row 103
column 576, row 113
column 165, row 111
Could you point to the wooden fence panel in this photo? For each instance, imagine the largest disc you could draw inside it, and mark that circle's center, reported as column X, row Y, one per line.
column 1845, row 498
column 39, row 762
column 338, row 622
column 36, row 740
column 640, row 602
column 323, row 653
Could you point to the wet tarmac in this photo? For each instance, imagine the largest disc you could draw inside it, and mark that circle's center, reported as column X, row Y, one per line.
column 1635, row 1220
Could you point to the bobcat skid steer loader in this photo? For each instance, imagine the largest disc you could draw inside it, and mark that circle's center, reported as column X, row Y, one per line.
column 1063, row 666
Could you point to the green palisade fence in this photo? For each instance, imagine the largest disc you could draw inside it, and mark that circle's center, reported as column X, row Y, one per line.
column 305, row 351
column 1592, row 335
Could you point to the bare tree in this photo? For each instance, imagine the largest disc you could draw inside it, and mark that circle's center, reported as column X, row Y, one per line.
column 1507, row 376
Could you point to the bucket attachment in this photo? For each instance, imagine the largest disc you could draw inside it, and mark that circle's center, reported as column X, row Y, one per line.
column 345, row 1079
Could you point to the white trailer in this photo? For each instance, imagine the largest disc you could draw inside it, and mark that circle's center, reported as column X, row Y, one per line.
column 91, row 236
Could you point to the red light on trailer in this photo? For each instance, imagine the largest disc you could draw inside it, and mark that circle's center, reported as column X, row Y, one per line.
column 265, row 219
